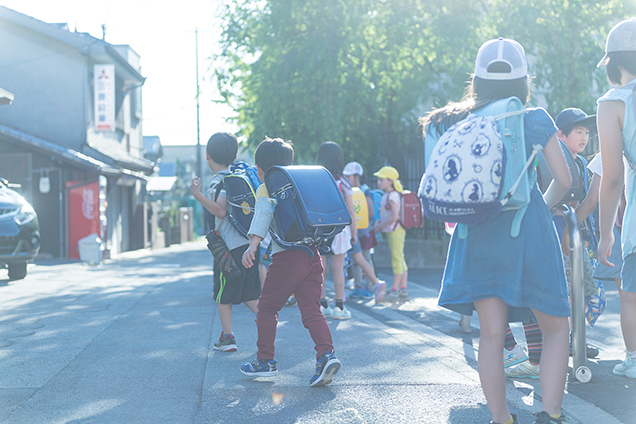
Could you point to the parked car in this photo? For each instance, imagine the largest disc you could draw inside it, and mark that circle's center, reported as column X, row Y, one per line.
column 19, row 232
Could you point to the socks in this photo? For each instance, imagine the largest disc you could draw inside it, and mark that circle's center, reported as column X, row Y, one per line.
column 510, row 341
column 323, row 303
column 340, row 304
column 534, row 338
column 510, row 421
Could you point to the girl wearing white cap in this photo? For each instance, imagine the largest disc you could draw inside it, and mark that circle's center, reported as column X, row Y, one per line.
column 616, row 120
column 501, row 276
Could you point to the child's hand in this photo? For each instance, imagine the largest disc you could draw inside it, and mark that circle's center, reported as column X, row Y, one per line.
column 605, row 249
column 354, row 238
column 249, row 256
column 195, row 187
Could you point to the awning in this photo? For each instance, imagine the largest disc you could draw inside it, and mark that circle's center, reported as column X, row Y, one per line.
column 160, row 183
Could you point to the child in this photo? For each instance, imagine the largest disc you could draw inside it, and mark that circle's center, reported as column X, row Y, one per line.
column 389, row 224
column 330, row 156
column 616, row 119
column 220, row 153
column 291, row 271
column 501, row 276
column 361, row 254
column 574, row 131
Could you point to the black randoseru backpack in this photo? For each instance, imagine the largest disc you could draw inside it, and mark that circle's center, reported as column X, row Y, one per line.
column 310, row 209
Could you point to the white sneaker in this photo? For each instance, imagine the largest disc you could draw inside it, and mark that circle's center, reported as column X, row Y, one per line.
column 514, row 356
column 341, row 313
column 523, row 369
column 327, row 312
column 626, row 368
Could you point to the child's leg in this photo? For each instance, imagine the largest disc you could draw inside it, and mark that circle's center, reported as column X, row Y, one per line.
column 337, row 270
column 365, row 266
column 628, row 317
column 534, row 339
column 278, row 286
column 307, row 295
column 225, row 314
column 396, row 246
column 403, row 282
column 493, row 317
column 252, row 305
column 554, row 360
column 262, row 270
column 509, row 342
column 366, row 254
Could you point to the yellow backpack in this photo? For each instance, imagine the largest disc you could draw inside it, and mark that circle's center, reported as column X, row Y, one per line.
column 360, row 208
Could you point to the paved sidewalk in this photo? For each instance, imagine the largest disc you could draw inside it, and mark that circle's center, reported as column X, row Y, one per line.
column 130, row 341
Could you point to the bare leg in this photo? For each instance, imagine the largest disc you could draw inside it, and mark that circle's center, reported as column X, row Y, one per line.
column 405, row 276
column 493, row 317
column 253, row 305
column 554, row 360
column 337, row 269
column 262, row 270
column 628, row 317
column 225, row 313
column 366, row 266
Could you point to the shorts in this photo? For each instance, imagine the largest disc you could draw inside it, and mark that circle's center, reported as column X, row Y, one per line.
column 341, row 242
column 367, row 239
column 356, row 248
column 628, row 273
column 243, row 289
column 603, row 272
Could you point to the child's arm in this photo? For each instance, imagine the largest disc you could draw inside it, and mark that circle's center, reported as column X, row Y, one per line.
column 588, row 204
column 560, row 172
column 263, row 215
column 218, row 208
column 609, row 121
column 250, row 253
column 354, row 232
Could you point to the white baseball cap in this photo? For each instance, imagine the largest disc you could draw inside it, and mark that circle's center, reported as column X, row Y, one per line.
column 352, row 168
column 621, row 38
column 501, row 50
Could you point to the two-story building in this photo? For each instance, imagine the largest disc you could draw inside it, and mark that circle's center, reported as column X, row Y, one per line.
column 73, row 134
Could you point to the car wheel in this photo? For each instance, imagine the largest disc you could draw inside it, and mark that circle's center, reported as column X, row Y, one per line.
column 17, row 271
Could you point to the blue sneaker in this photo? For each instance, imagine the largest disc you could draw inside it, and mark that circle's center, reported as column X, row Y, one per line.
column 327, row 366
column 356, row 293
column 367, row 294
column 258, row 368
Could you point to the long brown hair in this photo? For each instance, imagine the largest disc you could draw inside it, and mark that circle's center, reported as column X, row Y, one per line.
column 479, row 93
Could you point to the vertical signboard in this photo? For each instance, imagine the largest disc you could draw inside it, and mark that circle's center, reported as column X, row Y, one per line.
column 104, row 79
column 83, row 213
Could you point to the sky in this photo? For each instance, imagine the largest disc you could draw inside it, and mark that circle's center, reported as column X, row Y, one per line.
column 163, row 34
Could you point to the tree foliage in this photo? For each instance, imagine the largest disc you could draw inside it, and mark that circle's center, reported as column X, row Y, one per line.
column 361, row 72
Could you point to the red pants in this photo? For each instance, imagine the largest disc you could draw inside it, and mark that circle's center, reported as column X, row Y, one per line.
column 292, row 271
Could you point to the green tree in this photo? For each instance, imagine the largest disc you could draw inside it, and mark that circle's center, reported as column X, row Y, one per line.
column 361, row 72
column 564, row 40
column 357, row 73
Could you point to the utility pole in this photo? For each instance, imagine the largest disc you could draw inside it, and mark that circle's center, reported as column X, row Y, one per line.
column 196, row 48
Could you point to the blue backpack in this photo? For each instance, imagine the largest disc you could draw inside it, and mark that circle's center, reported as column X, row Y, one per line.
column 478, row 168
column 376, row 196
column 310, row 209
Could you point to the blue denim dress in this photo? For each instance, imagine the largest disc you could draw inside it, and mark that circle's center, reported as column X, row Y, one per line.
column 525, row 271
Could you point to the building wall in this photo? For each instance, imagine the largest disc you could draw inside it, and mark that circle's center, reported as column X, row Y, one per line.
column 47, row 79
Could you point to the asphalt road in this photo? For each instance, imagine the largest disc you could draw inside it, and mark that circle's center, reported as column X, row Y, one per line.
column 130, row 341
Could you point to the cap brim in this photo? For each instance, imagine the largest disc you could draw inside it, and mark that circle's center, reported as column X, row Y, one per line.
column 603, row 61
column 588, row 121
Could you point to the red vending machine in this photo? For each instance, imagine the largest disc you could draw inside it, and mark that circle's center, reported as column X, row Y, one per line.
column 84, row 212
